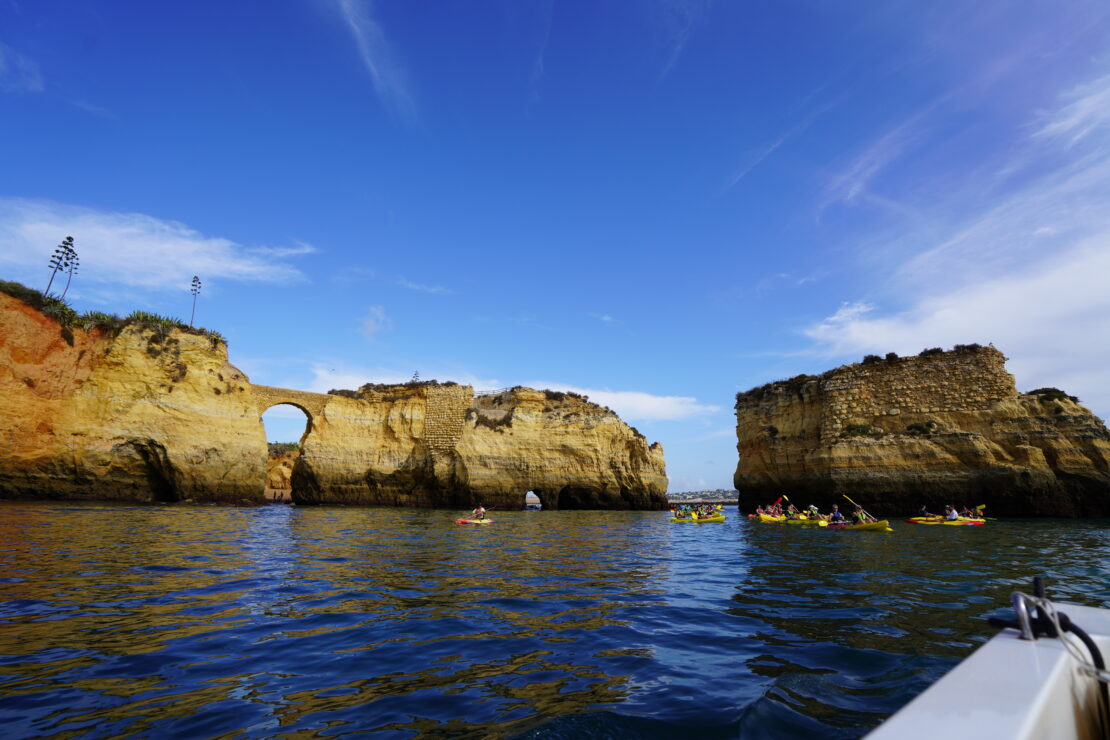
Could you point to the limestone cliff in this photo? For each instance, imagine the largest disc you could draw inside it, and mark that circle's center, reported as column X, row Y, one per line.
column 142, row 415
column 942, row 427
column 439, row 445
column 139, row 410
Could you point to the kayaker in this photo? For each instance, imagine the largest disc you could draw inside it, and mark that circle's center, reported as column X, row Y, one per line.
column 859, row 516
column 924, row 511
column 813, row 513
column 951, row 514
column 478, row 513
column 836, row 516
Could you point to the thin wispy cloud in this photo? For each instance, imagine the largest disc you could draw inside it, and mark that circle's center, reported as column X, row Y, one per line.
column 546, row 10
column 18, row 72
column 301, row 249
column 603, row 318
column 129, row 249
column 852, row 182
column 1086, row 110
column 794, row 131
column 375, row 322
column 96, row 110
column 386, row 74
column 679, row 20
column 1027, row 269
column 423, row 288
column 637, row 405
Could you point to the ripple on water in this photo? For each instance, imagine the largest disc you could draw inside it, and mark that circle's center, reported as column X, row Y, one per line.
column 281, row 621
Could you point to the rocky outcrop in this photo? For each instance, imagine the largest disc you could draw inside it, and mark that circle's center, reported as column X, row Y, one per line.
column 942, row 427
column 279, row 472
column 142, row 415
column 149, row 413
column 439, row 445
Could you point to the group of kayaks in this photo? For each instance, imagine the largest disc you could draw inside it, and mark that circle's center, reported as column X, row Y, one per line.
column 698, row 515
column 813, row 519
column 881, row 525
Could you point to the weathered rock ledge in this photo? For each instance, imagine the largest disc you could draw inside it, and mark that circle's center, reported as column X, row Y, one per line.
column 942, row 427
column 141, row 414
column 439, row 445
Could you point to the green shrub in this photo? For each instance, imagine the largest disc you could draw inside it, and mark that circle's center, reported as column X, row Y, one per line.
column 892, row 357
column 1052, row 394
column 495, row 424
column 931, row 351
column 967, row 348
column 60, row 311
column 862, row 430
column 925, row 427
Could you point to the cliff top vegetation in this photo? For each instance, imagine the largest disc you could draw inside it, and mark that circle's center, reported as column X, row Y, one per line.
column 394, row 390
column 69, row 319
column 795, row 384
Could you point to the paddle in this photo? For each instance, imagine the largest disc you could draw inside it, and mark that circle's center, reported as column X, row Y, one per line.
column 980, row 508
column 865, row 511
column 786, row 498
column 801, row 515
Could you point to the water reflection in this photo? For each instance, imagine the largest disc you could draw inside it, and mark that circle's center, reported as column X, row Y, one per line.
column 292, row 621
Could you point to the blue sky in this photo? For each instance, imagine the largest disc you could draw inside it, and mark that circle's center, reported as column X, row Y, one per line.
column 658, row 203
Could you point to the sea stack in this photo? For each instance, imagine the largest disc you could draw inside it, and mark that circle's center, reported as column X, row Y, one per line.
column 896, row 433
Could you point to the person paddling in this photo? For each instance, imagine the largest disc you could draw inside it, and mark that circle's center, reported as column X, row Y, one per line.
column 836, row 516
column 859, row 516
column 951, row 514
column 478, row 513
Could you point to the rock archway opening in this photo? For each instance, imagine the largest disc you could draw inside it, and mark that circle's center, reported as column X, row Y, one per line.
column 532, row 501
column 286, row 425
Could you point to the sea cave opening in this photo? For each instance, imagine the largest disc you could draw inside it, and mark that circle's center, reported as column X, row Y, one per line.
column 286, row 426
column 532, row 502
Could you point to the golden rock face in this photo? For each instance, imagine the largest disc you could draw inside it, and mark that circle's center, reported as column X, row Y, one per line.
column 441, row 446
column 141, row 416
column 153, row 416
column 944, row 428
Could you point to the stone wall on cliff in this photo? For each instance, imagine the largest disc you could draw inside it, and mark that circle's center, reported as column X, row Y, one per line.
column 933, row 429
column 440, row 446
column 142, row 415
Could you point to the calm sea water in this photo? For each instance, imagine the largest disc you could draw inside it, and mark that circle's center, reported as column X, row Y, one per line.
column 304, row 622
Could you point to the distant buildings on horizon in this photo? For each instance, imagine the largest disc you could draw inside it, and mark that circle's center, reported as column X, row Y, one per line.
column 717, row 494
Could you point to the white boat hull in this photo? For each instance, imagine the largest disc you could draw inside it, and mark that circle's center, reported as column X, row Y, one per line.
column 1011, row 688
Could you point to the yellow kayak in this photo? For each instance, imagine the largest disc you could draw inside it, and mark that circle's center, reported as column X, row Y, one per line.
column 880, row 526
column 961, row 522
column 768, row 518
column 700, row 520
column 809, row 522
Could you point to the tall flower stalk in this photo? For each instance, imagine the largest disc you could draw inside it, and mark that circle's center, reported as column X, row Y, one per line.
column 61, row 260
column 195, row 290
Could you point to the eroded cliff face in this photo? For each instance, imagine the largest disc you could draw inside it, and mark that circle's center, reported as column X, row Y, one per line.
column 434, row 445
column 935, row 429
column 142, row 416
column 161, row 415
